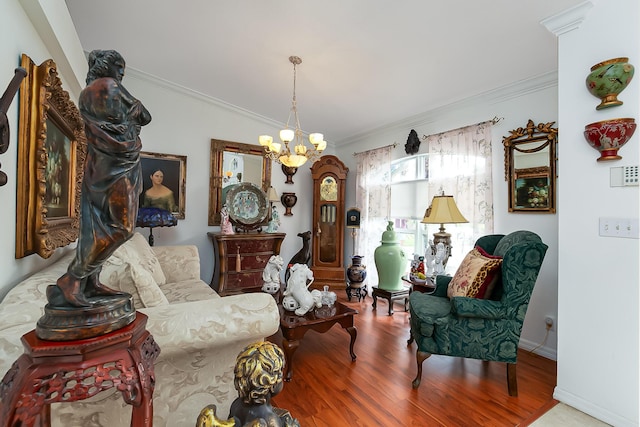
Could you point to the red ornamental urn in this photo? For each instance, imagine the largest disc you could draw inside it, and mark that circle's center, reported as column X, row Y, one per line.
column 608, row 136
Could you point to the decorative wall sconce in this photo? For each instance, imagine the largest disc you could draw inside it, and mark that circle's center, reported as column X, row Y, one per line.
column 608, row 79
column 289, row 171
column 289, row 200
column 5, row 102
column 608, row 136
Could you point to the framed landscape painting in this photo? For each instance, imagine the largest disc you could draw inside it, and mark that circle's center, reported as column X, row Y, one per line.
column 51, row 152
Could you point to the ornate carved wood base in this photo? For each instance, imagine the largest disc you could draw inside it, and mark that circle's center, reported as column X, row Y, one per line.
column 108, row 313
column 51, row 372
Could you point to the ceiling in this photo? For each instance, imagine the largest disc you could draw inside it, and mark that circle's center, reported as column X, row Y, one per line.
column 365, row 63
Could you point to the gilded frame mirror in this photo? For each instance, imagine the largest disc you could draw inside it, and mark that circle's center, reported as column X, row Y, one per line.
column 530, row 167
column 234, row 162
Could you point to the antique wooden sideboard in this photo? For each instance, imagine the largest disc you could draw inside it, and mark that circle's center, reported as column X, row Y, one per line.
column 240, row 259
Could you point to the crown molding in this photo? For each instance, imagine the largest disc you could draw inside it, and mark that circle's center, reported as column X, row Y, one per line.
column 568, row 20
column 185, row 91
column 495, row 96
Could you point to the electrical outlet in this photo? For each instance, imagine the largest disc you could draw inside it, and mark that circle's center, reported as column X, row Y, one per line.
column 550, row 323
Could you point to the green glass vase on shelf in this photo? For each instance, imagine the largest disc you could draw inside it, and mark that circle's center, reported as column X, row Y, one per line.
column 390, row 261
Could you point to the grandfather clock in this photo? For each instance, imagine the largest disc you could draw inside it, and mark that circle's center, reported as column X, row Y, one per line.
column 329, row 176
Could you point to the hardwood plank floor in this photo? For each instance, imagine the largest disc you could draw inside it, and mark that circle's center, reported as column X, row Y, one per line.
column 329, row 390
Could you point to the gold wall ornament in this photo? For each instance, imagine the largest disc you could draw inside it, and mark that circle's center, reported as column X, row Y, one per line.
column 530, row 167
column 51, row 151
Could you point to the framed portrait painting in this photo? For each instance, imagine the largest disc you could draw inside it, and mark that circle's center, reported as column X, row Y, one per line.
column 164, row 183
column 51, row 152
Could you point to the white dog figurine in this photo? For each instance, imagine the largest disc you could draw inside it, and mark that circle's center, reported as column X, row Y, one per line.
column 298, row 288
column 271, row 274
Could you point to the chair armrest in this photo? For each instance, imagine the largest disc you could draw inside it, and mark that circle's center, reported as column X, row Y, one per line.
column 213, row 323
column 178, row 263
column 442, row 283
column 480, row 308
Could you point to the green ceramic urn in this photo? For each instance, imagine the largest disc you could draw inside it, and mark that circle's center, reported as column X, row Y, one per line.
column 390, row 261
column 608, row 79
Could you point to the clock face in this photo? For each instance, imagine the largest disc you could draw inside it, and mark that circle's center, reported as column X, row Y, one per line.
column 329, row 189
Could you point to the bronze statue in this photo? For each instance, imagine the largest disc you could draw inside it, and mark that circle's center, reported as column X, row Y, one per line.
column 112, row 179
column 258, row 377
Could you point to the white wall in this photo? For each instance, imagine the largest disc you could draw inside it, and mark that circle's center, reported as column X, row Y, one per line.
column 534, row 99
column 184, row 122
column 19, row 36
column 599, row 276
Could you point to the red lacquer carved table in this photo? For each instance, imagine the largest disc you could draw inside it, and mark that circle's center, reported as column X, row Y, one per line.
column 68, row 371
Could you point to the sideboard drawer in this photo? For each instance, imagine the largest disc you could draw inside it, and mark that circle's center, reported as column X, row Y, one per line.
column 244, row 281
column 247, row 262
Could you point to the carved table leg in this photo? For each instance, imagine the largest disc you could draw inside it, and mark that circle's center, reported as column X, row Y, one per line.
column 289, row 348
column 354, row 334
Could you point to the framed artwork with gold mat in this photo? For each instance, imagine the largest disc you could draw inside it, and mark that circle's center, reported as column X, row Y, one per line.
column 51, row 152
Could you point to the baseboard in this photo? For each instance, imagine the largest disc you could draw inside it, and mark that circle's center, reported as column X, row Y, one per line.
column 591, row 409
column 544, row 351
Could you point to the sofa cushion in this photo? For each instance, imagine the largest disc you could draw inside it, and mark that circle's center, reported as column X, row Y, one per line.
column 134, row 279
column 137, row 251
column 146, row 287
column 474, row 276
column 188, row 291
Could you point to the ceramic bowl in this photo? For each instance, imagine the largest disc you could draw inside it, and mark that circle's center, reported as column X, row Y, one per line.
column 608, row 136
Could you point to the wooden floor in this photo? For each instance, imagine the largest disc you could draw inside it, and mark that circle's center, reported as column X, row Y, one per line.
column 328, row 389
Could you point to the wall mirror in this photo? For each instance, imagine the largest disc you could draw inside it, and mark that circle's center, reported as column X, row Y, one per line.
column 234, row 163
column 530, row 167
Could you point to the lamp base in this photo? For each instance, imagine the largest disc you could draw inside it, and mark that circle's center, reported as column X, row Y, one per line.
column 444, row 238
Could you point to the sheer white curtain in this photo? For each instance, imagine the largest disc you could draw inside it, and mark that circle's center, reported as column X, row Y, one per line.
column 460, row 165
column 373, row 197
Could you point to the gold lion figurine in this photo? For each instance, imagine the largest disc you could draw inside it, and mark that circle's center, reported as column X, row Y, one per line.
column 257, row 378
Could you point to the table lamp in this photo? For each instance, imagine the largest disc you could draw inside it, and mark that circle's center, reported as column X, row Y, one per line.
column 273, row 197
column 443, row 210
column 155, row 217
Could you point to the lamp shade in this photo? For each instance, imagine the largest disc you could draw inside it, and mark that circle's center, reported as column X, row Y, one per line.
column 443, row 210
column 272, row 195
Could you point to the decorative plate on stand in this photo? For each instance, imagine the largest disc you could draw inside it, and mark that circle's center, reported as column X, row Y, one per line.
column 247, row 205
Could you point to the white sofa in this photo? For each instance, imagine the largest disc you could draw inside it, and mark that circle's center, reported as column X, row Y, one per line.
column 199, row 333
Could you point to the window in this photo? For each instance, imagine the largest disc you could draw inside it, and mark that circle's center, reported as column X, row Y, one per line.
column 409, row 199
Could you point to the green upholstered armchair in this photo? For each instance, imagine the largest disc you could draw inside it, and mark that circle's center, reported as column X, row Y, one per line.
column 485, row 329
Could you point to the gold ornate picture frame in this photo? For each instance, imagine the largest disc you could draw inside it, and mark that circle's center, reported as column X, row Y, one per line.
column 51, row 152
column 174, row 171
column 530, row 167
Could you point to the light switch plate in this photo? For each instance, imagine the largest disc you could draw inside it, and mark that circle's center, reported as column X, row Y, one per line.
column 619, row 227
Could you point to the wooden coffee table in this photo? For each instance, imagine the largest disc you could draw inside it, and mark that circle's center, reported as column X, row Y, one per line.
column 320, row 320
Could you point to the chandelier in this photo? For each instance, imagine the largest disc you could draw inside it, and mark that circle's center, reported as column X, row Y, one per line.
column 300, row 154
